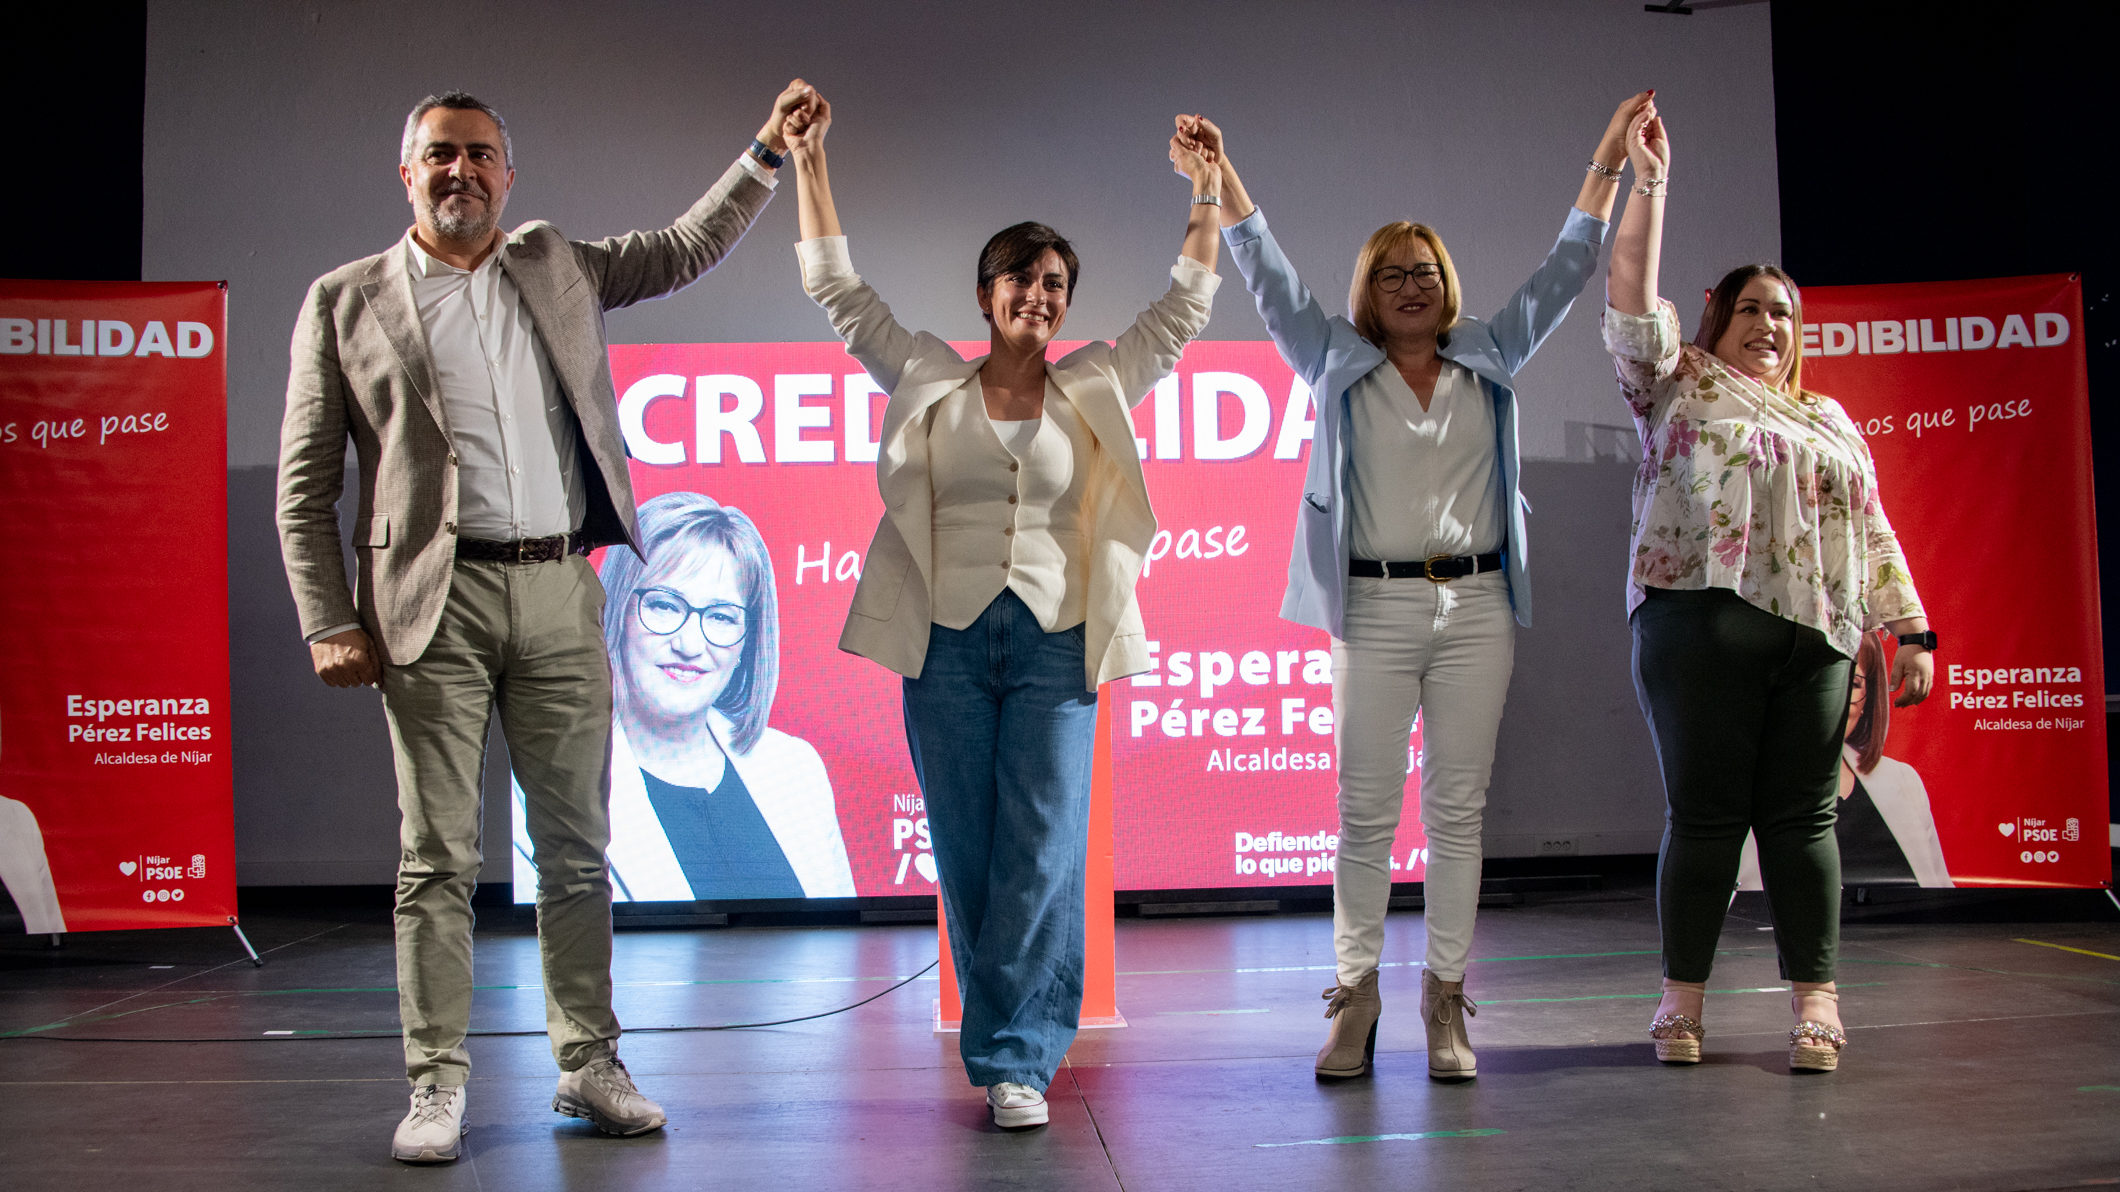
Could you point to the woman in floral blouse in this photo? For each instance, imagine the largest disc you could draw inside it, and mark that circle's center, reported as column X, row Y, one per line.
column 1761, row 556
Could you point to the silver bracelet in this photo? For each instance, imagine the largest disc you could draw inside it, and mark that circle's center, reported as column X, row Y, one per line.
column 1207, row 200
column 1609, row 173
column 1652, row 187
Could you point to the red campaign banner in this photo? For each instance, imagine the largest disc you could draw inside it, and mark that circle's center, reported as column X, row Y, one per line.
column 116, row 804
column 1222, row 756
column 1974, row 398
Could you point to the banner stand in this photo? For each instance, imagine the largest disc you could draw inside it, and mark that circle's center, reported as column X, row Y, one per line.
column 1100, row 977
column 58, row 940
column 116, row 786
column 256, row 961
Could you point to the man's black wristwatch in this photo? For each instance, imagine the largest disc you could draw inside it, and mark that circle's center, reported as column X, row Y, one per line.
column 1926, row 639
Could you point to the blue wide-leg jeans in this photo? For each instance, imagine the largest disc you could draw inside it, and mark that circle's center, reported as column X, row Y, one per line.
column 1002, row 733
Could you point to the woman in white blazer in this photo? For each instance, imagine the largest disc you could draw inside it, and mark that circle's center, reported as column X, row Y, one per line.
column 1000, row 584
column 708, row 801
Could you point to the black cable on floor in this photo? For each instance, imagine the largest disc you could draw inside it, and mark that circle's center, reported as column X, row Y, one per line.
column 482, row 1034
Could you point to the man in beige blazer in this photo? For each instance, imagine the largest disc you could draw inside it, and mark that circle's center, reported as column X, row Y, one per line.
column 468, row 367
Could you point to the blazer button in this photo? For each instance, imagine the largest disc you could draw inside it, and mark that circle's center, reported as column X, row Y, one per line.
column 1008, row 529
column 1012, row 498
column 1013, row 465
column 449, row 527
column 452, row 459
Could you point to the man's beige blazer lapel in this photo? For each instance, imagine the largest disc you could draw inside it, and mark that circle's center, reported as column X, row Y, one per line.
column 387, row 289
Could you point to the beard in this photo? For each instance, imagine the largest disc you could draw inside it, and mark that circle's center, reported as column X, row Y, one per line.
column 459, row 225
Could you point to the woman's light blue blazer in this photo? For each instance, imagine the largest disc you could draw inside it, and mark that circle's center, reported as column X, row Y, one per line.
column 1330, row 355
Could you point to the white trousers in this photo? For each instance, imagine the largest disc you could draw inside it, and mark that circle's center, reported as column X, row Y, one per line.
column 1445, row 650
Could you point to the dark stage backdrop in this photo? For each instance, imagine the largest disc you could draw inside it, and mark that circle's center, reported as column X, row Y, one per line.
column 1932, row 140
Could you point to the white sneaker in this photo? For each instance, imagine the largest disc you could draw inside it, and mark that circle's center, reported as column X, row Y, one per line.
column 602, row 1091
column 1016, row 1106
column 433, row 1131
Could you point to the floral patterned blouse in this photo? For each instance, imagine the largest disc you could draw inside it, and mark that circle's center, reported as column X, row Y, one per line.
column 1744, row 487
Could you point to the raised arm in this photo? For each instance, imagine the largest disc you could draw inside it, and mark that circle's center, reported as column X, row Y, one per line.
column 642, row 265
column 1601, row 176
column 1300, row 326
column 861, row 318
column 1630, row 284
column 815, row 214
column 1538, row 306
column 1146, row 352
column 1203, row 243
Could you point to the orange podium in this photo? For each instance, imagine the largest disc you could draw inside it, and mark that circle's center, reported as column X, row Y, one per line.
column 1100, row 972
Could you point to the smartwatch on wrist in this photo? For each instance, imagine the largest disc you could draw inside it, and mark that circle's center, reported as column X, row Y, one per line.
column 1926, row 639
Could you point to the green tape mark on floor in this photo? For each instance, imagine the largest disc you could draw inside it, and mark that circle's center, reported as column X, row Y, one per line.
column 1344, row 1139
column 1260, row 1010
column 2098, row 1088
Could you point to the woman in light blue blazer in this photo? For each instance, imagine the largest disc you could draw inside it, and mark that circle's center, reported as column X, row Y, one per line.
column 1409, row 550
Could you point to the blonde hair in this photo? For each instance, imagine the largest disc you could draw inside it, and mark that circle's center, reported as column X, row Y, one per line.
column 1361, row 301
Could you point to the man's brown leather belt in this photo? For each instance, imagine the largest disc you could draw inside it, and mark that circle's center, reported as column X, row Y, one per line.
column 1438, row 569
column 522, row 550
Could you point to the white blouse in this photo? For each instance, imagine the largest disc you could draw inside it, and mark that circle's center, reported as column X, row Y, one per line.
column 1422, row 482
column 1769, row 494
column 1008, row 517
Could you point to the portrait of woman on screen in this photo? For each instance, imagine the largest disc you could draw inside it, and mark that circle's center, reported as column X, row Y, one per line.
column 708, row 801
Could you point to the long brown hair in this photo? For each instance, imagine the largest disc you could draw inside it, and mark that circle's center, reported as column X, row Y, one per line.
column 1722, row 306
column 1361, row 301
column 1866, row 735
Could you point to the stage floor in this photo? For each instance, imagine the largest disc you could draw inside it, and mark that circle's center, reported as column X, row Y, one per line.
column 1984, row 1054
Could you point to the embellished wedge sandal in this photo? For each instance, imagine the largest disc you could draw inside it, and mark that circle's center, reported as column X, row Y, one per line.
column 1678, row 1036
column 1444, row 1008
column 1814, row 1046
column 1350, row 1050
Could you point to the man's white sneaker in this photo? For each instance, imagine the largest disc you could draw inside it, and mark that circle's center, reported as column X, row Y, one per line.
column 602, row 1091
column 1015, row 1106
column 433, row 1131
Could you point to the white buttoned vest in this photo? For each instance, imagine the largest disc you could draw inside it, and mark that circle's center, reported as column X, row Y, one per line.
column 1007, row 523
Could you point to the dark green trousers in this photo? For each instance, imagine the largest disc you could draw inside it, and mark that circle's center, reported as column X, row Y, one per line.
column 1747, row 710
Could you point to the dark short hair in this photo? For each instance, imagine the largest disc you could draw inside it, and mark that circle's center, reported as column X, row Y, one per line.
column 673, row 527
column 459, row 101
column 1722, row 306
column 1018, row 247
column 1866, row 736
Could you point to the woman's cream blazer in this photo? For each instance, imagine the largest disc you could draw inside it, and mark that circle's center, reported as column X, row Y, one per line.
column 889, row 620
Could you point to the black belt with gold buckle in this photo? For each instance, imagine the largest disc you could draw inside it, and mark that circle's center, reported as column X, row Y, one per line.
column 549, row 549
column 1436, row 569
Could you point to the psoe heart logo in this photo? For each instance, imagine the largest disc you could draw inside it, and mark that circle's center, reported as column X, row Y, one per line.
column 127, row 867
column 2006, row 829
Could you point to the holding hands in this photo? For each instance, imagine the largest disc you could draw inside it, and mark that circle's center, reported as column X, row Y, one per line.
column 1189, row 162
column 807, row 124
column 798, row 97
column 1201, row 138
column 1647, row 146
column 1612, row 148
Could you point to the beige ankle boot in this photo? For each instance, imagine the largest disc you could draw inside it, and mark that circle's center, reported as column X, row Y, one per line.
column 1352, row 1045
column 1444, row 1008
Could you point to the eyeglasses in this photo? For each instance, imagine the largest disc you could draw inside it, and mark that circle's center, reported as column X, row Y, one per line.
column 1391, row 278
column 663, row 612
